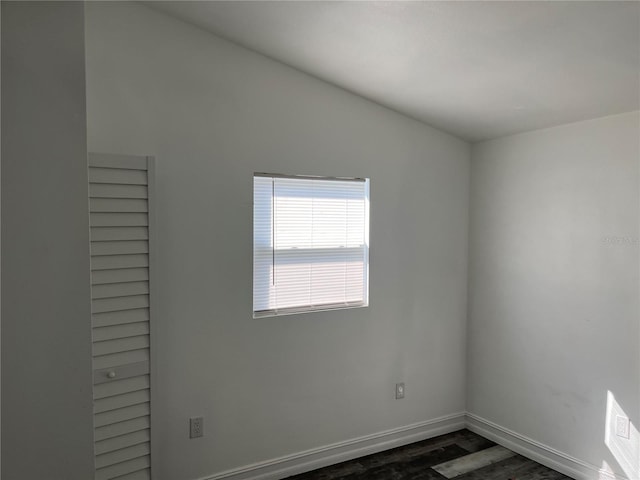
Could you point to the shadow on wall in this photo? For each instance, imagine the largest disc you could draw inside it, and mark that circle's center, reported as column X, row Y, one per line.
column 623, row 441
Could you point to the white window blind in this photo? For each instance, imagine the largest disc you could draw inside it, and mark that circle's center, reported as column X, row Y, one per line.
column 310, row 244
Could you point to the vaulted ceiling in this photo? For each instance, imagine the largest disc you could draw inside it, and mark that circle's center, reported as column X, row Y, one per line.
column 476, row 69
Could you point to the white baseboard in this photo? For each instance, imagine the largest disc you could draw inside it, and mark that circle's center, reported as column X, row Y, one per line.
column 308, row 460
column 339, row 452
column 537, row 451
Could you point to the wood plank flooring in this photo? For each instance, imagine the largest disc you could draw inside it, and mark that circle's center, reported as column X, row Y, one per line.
column 461, row 455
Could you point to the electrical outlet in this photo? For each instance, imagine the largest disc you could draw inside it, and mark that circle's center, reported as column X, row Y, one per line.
column 196, row 427
column 399, row 391
column 622, row 426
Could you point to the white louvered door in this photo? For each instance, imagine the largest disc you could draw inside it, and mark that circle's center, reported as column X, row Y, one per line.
column 119, row 198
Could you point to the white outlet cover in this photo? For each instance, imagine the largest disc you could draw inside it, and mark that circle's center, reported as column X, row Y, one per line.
column 622, row 426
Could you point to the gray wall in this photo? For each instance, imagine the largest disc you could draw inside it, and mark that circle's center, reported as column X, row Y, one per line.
column 213, row 113
column 553, row 308
column 46, row 372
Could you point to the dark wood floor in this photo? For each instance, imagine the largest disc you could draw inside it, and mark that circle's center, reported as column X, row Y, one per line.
column 461, row 455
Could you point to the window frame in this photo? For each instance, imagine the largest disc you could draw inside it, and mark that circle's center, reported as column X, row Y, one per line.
column 363, row 248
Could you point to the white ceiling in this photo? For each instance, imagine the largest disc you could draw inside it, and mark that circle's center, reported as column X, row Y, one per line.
column 476, row 69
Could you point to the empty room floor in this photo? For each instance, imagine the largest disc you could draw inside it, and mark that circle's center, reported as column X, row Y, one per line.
column 462, row 455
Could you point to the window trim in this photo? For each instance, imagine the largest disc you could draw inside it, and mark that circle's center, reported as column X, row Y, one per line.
column 309, row 177
column 365, row 248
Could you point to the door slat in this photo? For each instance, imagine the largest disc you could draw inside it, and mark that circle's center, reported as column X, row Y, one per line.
column 106, row 219
column 120, row 401
column 101, row 305
column 113, row 290
column 123, row 454
column 120, row 205
column 118, row 387
column 122, row 441
column 119, row 275
column 111, row 190
column 102, row 234
column 121, row 414
column 123, row 468
column 121, row 428
column 122, row 247
column 120, row 358
column 117, row 176
column 120, row 331
column 106, row 319
column 120, row 345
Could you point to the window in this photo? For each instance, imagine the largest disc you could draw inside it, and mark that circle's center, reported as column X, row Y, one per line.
column 310, row 244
